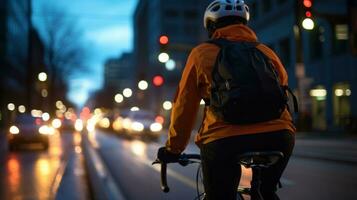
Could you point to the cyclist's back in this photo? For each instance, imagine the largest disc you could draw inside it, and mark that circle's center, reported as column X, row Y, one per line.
column 221, row 142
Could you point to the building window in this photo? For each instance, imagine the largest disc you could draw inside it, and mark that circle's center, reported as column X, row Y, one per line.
column 316, row 40
column 285, row 53
column 266, row 6
column 341, row 38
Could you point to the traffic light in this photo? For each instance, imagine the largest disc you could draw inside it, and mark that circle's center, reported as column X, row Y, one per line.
column 307, row 14
column 163, row 43
column 158, row 80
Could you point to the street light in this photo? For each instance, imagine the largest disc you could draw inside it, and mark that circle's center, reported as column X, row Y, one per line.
column 170, row 65
column 308, row 24
column 164, row 57
column 127, row 92
column 22, row 109
column 42, row 76
column 143, row 85
column 167, row 105
column 11, row 107
column 119, row 98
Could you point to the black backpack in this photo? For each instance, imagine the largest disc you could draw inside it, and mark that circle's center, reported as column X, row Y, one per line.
column 245, row 85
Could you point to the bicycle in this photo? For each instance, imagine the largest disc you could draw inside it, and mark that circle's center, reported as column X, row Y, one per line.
column 254, row 160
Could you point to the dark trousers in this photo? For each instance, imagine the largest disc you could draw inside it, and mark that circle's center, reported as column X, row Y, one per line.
column 221, row 171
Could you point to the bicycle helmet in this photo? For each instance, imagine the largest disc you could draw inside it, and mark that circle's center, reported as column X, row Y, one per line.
column 224, row 8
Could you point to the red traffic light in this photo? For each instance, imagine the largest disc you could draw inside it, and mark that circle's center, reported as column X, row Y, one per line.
column 308, row 14
column 307, row 3
column 164, row 40
column 158, row 81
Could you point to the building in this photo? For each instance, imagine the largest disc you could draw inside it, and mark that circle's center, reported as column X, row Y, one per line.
column 182, row 23
column 118, row 73
column 17, row 69
column 321, row 62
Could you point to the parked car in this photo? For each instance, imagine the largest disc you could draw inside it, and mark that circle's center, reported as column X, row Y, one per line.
column 141, row 124
column 27, row 129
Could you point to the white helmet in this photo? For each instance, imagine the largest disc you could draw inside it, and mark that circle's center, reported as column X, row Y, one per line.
column 223, row 8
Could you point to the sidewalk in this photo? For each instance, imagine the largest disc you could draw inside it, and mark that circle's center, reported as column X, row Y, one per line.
column 332, row 147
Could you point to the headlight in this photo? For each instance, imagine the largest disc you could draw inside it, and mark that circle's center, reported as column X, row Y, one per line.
column 14, row 130
column 155, row 127
column 137, row 126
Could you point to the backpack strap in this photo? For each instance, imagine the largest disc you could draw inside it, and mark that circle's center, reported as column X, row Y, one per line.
column 296, row 105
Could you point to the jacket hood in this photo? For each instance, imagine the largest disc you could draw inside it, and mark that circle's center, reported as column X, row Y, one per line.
column 237, row 32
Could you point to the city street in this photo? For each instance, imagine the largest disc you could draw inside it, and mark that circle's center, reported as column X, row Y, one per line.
column 130, row 164
column 34, row 173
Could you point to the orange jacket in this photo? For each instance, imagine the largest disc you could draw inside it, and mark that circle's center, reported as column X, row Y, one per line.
column 195, row 85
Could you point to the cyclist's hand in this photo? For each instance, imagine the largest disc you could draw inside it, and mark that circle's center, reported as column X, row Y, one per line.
column 166, row 156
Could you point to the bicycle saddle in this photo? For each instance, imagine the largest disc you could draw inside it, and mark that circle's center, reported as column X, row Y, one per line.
column 260, row 159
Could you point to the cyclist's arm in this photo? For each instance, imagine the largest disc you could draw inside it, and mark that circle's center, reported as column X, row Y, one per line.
column 185, row 108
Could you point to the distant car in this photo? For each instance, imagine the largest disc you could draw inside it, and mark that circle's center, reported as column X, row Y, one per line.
column 27, row 129
column 141, row 124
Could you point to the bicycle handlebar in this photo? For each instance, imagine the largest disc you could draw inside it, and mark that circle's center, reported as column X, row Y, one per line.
column 184, row 160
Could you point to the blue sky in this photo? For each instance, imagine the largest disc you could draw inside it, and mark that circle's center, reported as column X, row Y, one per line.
column 108, row 32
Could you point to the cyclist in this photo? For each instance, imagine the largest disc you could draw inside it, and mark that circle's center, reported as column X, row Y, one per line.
column 220, row 143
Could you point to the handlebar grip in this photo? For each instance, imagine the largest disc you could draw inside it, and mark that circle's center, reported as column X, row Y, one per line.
column 164, row 187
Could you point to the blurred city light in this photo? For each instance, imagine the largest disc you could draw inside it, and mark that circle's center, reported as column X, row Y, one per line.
column 164, row 57
column 104, row 123
column 170, row 65
column 36, row 113
column 318, row 93
column 137, row 126
column 78, row 125
column 44, row 93
column 202, row 102
column 56, row 123
column 134, row 109
column 143, row 85
column 46, row 130
column 339, row 92
column 42, row 76
column 119, row 98
column 348, row 92
column 160, row 119
column 45, row 117
column 307, row 3
column 308, row 24
column 11, row 106
column 22, row 109
column 164, row 40
column 59, row 104
column 14, row 130
column 158, row 81
column 127, row 92
column 156, row 127
column 167, row 105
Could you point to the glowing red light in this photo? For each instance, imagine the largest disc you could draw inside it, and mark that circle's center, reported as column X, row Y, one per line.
column 307, row 3
column 160, row 119
column 158, row 80
column 164, row 39
column 38, row 121
column 308, row 14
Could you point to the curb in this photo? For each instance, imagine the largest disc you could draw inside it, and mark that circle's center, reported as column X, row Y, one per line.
column 101, row 181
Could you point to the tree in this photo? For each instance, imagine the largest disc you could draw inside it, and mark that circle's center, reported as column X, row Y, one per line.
column 65, row 53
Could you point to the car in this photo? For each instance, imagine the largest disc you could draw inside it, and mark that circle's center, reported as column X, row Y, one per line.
column 27, row 129
column 141, row 124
